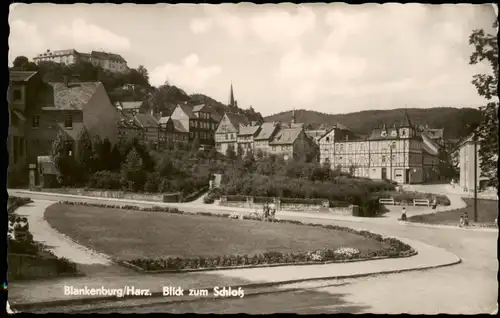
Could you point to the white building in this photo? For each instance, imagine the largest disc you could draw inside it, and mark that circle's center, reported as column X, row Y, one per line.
column 108, row 61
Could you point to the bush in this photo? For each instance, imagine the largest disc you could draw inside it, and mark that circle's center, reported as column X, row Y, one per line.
column 208, row 200
column 153, row 181
column 105, row 180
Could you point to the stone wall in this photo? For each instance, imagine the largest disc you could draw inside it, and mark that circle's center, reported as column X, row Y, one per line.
column 288, row 207
column 165, row 197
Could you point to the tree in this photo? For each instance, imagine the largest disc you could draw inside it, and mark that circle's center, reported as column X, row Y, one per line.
column 20, row 61
column 85, row 153
column 62, row 160
column 486, row 49
column 230, row 152
column 133, row 172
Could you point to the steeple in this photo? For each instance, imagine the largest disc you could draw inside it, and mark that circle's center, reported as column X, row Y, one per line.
column 231, row 97
column 406, row 120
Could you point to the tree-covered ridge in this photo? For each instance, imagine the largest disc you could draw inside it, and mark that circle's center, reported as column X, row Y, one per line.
column 130, row 86
column 454, row 121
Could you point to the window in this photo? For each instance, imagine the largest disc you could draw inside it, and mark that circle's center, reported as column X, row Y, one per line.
column 274, row 148
column 350, row 147
column 327, row 139
column 217, row 146
column 383, row 159
column 227, row 136
column 17, row 95
column 197, row 124
column 35, row 121
column 191, row 135
column 393, row 145
column 191, row 123
column 69, row 147
column 68, row 122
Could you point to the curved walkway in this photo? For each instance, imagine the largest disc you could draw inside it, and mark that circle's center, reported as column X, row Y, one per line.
column 56, row 242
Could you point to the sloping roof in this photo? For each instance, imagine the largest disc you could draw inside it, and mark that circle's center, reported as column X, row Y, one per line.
column 107, row 56
column 340, row 126
column 266, row 131
column 286, row 136
column 146, row 120
column 179, row 126
column 127, row 121
column 406, row 120
column 200, row 107
column 248, row 130
column 434, row 133
column 21, row 76
column 315, row 133
column 215, row 115
column 237, row 119
column 164, row 120
column 58, row 96
column 130, row 105
column 188, row 110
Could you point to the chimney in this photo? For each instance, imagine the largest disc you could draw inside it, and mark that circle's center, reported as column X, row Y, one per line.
column 161, row 114
column 346, row 137
column 152, row 112
column 66, row 80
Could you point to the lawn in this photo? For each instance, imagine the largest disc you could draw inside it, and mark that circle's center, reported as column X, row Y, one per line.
column 127, row 234
column 487, row 212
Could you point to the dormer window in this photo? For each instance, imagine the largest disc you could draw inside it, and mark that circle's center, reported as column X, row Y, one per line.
column 383, row 133
column 394, row 133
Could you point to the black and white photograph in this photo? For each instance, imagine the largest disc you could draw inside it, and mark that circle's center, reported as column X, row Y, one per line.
column 242, row 158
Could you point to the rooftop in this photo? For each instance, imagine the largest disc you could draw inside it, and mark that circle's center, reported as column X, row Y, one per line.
column 248, row 130
column 72, row 97
column 266, row 131
column 21, row 76
column 146, row 120
column 286, row 136
column 237, row 119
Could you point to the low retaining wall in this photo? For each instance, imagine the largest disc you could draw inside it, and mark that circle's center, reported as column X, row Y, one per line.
column 167, row 197
column 290, row 207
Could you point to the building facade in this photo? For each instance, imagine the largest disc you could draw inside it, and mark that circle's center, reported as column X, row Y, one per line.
column 199, row 121
column 173, row 131
column 109, row 61
column 70, row 108
column 22, row 96
column 467, row 153
column 226, row 135
column 399, row 153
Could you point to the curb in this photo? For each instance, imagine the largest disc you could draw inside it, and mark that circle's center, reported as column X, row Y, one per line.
column 450, row 227
column 85, row 301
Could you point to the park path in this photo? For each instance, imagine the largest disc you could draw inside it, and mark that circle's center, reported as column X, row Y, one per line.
column 58, row 243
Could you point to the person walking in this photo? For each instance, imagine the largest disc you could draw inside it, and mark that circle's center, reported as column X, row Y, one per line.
column 462, row 222
column 466, row 219
column 272, row 208
column 266, row 210
column 434, row 203
column 403, row 214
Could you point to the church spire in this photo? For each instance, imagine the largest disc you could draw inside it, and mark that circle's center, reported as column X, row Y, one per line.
column 406, row 120
column 231, row 97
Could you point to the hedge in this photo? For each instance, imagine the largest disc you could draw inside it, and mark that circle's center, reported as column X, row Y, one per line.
column 408, row 197
column 396, row 248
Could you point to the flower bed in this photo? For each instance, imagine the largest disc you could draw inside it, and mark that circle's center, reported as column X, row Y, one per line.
column 395, row 247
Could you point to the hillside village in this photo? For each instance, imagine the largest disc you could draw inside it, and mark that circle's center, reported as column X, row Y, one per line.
column 58, row 93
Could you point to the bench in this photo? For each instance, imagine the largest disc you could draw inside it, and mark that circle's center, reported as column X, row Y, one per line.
column 386, row 201
column 421, row 202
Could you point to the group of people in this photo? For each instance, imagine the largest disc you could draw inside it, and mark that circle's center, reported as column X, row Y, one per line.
column 464, row 220
column 269, row 210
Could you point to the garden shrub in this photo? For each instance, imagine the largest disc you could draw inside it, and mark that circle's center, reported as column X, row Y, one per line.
column 105, row 180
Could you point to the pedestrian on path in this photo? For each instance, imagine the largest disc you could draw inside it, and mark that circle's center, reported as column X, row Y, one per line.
column 466, row 219
column 272, row 208
column 403, row 214
column 462, row 222
column 266, row 210
column 434, row 203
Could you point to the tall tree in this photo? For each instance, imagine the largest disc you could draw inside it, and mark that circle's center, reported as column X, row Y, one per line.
column 486, row 50
column 85, row 153
column 62, row 159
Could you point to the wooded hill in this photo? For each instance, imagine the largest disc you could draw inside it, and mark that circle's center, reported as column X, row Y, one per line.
column 454, row 121
column 130, row 86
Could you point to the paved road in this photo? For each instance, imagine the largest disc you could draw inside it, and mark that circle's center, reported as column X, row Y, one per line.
column 468, row 288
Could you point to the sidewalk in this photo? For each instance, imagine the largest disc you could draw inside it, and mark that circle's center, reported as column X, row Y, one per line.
column 33, row 295
column 388, row 218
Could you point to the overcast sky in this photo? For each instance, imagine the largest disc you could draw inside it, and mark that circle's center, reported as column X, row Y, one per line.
column 333, row 58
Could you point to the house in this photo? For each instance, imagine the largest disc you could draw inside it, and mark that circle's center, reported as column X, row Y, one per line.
column 130, row 106
column 173, row 131
column 128, row 127
column 437, row 135
column 22, row 96
column 199, row 121
column 291, row 142
column 398, row 153
column 226, row 135
column 245, row 138
column 315, row 134
column 468, row 153
column 69, row 107
column 264, row 136
column 151, row 129
column 66, row 57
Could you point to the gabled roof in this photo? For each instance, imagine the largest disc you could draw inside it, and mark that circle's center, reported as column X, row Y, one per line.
column 248, row 130
column 179, row 126
column 74, row 96
column 164, row 120
column 336, row 126
column 127, row 121
column 266, row 131
column 237, row 119
column 188, row 110
column 21, row 76
column 435, row 133
column 286, row 136
column 146, row 120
